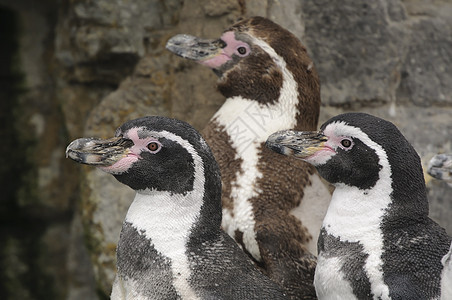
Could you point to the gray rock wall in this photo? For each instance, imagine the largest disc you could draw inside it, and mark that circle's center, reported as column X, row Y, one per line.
column 81, row 68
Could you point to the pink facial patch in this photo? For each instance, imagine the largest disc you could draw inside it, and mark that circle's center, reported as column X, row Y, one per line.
column 226, row 53
column 125, row 163
column 121, row 165
column 328, row 149
column 321, row 156
column 216, row 61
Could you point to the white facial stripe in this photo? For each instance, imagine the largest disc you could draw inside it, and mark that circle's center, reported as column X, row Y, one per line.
column 340, row 128
column 167, row 219
column 354, row 215
column 285, row 110
column 249, row 123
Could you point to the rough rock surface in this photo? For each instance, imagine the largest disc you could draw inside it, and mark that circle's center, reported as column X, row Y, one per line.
column 79, row 68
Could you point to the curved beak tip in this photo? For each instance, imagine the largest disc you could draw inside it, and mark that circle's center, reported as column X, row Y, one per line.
column 272, row 146
column 77, row 149
column 300, row 144
column 194, row 48
column 275, row 142
column 182, row 39
column 182, row 45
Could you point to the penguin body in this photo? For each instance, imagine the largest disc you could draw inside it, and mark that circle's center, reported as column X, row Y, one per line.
column 171, row 245
column 376, row 241
column 270, row 84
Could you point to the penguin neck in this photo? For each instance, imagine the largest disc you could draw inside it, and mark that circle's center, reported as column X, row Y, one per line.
column 355, row 214
column 251, row 120
column 260, row 115
column 168, row 218
column 164, row 218
column 247, row 119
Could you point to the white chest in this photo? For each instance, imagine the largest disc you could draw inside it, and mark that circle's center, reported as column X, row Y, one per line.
column 354, row 216
column 167, row 221
column 329, row 281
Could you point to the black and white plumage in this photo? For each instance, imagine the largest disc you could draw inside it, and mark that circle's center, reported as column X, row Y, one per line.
column 440, row 167
column 273, row 208
column 171, row 244
column 377, row 241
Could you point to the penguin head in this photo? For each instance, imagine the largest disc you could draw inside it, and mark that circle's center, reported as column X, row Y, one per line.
column 237, row 47
column 250, row 58
column 151, row 154
column 355, row 149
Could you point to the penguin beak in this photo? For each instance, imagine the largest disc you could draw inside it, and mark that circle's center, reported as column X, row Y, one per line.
column 300, row 144
column 203, row 51
column 98, row 152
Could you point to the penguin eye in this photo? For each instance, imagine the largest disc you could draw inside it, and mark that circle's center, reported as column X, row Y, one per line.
column 154, row 147
column 242, row 51
column 346, row 143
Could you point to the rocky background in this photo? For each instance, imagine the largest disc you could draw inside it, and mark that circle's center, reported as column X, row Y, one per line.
column 82, row 67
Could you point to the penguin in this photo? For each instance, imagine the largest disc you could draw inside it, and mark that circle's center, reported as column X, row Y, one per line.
column 273, row 208
column 376, row 241
column 171, row 244
column 440, row 167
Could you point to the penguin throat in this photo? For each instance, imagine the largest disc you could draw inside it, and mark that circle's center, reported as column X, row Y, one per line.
column 167, row 220
column 151, row 213
column 354, row 213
